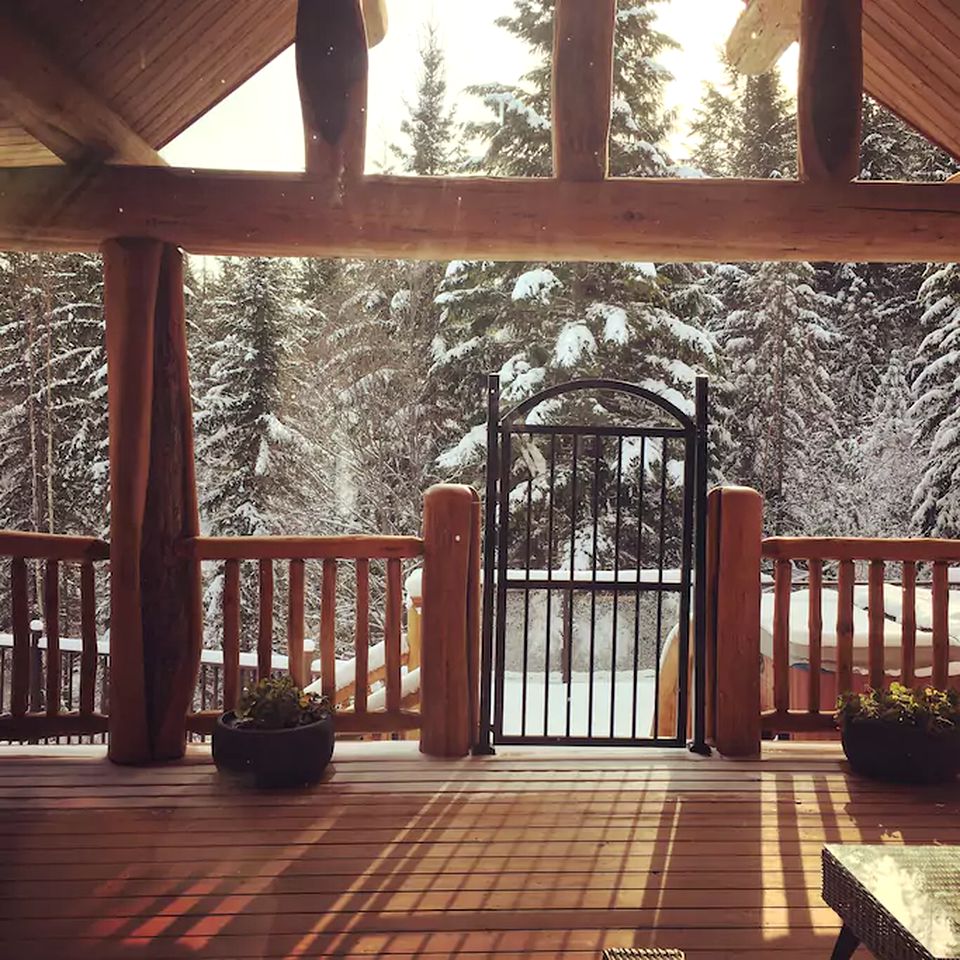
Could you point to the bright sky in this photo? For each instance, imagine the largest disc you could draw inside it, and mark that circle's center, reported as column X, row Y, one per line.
column 258, row 127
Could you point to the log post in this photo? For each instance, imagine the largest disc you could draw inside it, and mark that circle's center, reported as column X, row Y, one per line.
column 155, row 623
column 735, row 530
column 448, row 674
column 331, row 51
column 583, row 36
column 830, row 90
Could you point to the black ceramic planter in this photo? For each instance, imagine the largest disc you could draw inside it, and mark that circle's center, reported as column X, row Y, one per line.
column 900, row 752
column 293, row 757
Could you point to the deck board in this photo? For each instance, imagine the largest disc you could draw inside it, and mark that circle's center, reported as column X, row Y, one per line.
column 546, row 853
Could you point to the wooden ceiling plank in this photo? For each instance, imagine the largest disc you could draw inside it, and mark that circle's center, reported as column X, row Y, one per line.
column 618, row 219
column 55, row 108
column 926, row 51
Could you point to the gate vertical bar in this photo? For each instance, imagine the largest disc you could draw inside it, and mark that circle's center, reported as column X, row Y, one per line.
column 484, row 746
column 699, row 744
column 503, row 527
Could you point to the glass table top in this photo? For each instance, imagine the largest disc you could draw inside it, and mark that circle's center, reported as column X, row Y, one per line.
column 919, row 886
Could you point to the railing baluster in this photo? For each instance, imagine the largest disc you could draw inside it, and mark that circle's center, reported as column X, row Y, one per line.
column 783, row 572
column 20, row 615
column 392, row 635
column 51, row 618
column 295, row 629
column 941, row 636
column 845, row 627
column 362, row 636
column 815, row 633
column 328, row 630
column 231, row 634
column 88, row 634
column 265, row 638
column 908, row 633
column 875, row 618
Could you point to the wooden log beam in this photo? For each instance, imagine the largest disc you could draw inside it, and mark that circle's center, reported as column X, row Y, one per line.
column 331, row 52
column 155, row 620
column 762, row 34
column 427, row 218
column 54, row 107
column 375, row 20
column 582, row 87
column 830, row 90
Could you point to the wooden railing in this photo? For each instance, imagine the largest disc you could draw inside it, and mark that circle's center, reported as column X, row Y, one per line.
column 352, row 700
column 883, row 664
column 38, row 566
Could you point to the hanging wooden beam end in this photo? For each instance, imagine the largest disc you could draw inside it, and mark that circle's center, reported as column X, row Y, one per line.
column 582, row 88
column 830, row 90
column 331, row 54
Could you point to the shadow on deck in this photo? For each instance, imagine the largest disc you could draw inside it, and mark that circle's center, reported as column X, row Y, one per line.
column 555, row 853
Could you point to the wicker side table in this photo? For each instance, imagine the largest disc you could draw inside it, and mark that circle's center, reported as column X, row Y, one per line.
column 902, row 903
column 624, row 953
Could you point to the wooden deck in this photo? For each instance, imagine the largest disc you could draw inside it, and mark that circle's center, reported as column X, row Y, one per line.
column 530, row 853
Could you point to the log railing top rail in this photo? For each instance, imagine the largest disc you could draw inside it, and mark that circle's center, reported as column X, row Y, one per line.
column 52, row 546
column 360, row 547
column 902, row 550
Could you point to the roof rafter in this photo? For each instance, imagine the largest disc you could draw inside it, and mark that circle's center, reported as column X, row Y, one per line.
column 56, row 109
column 762, row 34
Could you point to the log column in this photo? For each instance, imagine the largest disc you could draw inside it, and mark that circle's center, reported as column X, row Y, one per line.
column 734, row 532
column 450, row 633
column 830, row 91
column 582, row 87
column 155, row 621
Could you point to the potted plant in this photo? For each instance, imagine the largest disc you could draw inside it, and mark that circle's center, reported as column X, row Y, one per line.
column 279, row 735
column 910, row 736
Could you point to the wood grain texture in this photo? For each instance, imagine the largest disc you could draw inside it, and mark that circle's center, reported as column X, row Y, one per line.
column 783, row 572
column 328, row 630
column 875, row 624
column 908, row 633
column 830, row 89
column 265, row 620
column 941, row 626
column 815, row 633
column 441, row 218
column 50, row 546
column 445, row 676
column 331, row 57
column 362, row 636
column 582, row 88
column 88, row 635
column 526, row 854
column 391, row 636
column 54, row 106
column 231, row 634
column 916, row 550
column 20, row 625
column 846, row 577
column 734, row 531
column 51, row 629
column 305, row 548
column 295, row 624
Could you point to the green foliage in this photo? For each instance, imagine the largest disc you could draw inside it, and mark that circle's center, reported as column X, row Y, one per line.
column 926, row 707
column 276, row 703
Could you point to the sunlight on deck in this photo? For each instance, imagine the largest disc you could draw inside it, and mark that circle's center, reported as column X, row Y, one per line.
column 550, row 853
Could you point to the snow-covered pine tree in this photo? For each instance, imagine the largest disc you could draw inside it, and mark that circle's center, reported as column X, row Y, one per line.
column 936, row 408
column 544, row 323
column 776, row 343
column 430, row 128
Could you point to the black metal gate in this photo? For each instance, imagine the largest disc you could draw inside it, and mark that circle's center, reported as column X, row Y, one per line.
column 594, row 553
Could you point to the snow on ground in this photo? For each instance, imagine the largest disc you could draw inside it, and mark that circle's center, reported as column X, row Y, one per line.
column 621, row 690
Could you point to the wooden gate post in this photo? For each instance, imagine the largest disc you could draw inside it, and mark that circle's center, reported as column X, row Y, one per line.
column 450, row 624
column 734, row 533
column 155, row 613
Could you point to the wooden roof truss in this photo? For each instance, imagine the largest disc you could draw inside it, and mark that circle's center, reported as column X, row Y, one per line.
column 334, row 209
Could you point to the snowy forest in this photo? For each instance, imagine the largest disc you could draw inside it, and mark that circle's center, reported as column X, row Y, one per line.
column 330, row 394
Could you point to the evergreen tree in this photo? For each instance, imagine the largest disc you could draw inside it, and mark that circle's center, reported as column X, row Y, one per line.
column 776, row 343
column 430, row 126
column 936, row 389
